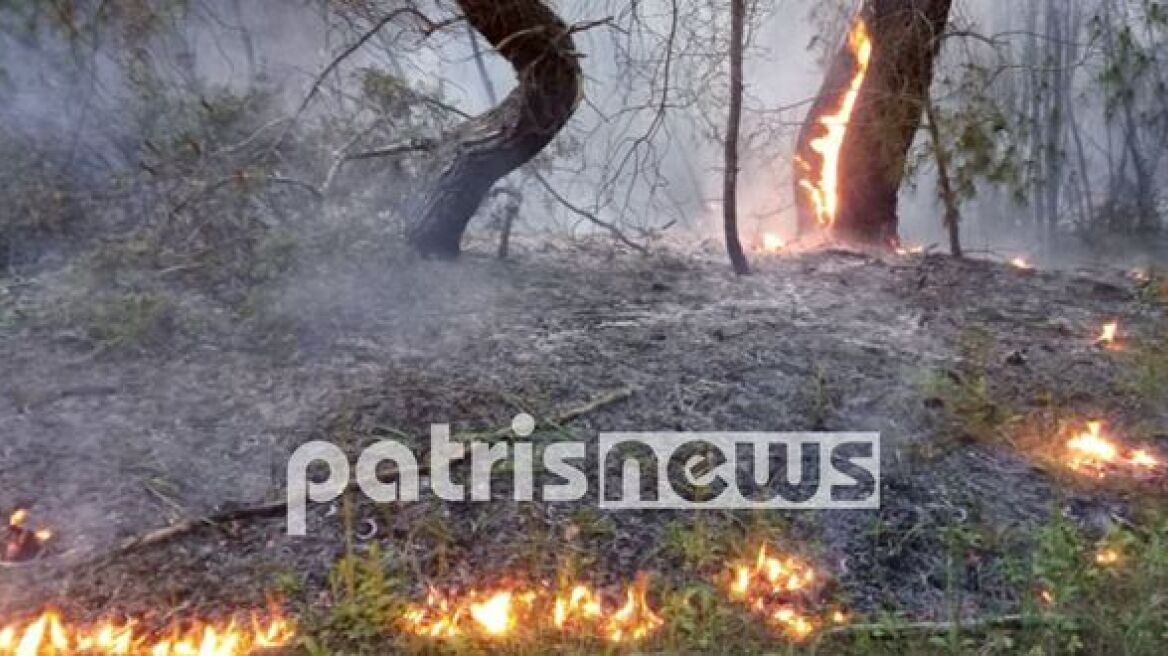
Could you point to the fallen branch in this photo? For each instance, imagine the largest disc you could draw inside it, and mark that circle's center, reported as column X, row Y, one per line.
column 564, row 417
column 411, row 146
column 593, row 405
column 76, row 559
column 242, row 179
column 178, row 529
column 893, row 631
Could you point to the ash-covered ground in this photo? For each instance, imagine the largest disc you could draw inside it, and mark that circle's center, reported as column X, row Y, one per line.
column 109, row 443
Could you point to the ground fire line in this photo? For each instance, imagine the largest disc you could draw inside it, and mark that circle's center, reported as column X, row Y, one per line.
column 1095, row 453
column 780, row 590
column 50, row 635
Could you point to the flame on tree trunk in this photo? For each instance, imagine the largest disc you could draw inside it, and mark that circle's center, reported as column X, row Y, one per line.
column 880, row 91
column 481, row 151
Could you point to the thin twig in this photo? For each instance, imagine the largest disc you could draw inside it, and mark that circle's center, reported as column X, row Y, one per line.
column 219, row 184
column 566, row 416
column 930, row 628
column 413, row 145
column 168, row 533
column 592, row 218
column 429, row 28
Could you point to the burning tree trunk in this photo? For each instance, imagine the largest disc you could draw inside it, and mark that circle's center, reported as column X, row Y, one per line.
column 483, row 150
column 851, row 153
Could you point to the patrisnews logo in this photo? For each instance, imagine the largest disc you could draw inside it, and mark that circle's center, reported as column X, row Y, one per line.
column 794, row 471
column 790, row 471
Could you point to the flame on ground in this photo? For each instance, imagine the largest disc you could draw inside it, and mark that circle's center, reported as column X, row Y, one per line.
column 1107, row 557
column 773, row 243
column 772, row 587
column 823, row 191
column 1109, row 334
column 1093, row 452
column 503, row 612
column 1021, row 263
column 22, row 543
column 49, row 635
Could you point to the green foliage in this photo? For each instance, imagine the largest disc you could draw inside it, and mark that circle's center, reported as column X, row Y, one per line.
column 120, row 320
column 1146, row 373
column 966, row 394
column 977, row 136
column 364, row 595
column 1132, row 54
column 1106, row 607
column 981, row 141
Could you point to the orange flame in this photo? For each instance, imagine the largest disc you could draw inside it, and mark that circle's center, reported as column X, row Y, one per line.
column 48, row 635
column 495, row 615
column 635, row 620
column 23, row 543
column 580, row 603
column 824, row 192
column 1094, row 453
column 1021, row 263
column 502, row 612
column 772, row 243
column 770, row 586
column 1107, row 557
column 1108, row 335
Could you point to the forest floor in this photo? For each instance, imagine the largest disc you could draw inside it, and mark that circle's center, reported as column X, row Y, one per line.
column 121, row 418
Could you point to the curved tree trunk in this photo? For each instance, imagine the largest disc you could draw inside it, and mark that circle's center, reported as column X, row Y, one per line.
column 539, row 45
column 905, row 38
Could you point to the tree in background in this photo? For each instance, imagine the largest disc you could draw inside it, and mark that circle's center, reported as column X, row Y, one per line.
column 730, row 188
column 884, row 116
column 483, row 150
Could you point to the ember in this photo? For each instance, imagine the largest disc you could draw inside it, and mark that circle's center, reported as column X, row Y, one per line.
column 501, row 613
column 1092, row 452
column 1107, row 557
column 49, row 635
column 824, row 191
column 772, row 588
column 23, row 544
column 772, row 243
column 1109, row 334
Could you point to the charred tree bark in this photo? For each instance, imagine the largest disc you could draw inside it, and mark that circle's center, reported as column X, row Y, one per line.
column 480, row 152
column 906, row 41
column 905, row 38
column 734, row 126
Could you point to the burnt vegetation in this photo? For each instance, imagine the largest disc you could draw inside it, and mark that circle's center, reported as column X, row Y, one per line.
column 229, row 229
